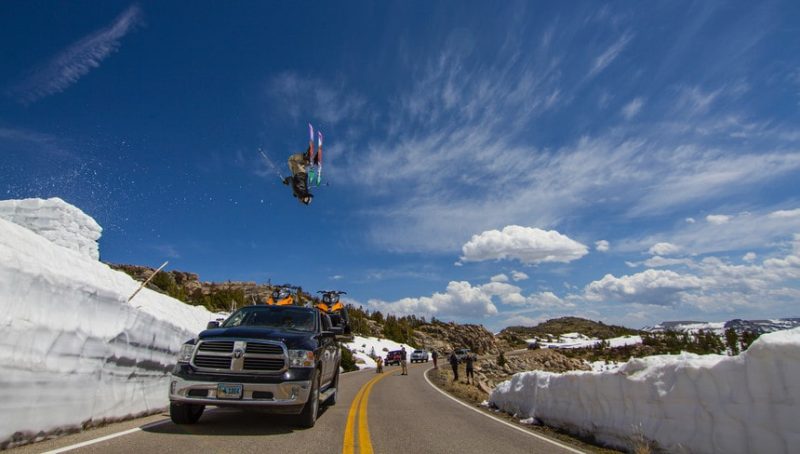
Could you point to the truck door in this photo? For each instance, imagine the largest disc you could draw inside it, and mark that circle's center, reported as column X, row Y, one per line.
column 328, row 349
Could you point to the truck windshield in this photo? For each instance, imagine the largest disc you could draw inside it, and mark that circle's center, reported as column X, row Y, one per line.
column 282, row 317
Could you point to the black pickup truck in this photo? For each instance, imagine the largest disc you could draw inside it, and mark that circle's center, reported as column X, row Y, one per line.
column 284, row 359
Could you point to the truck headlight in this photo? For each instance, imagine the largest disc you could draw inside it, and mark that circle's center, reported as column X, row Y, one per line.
column 186, row 353
column 301, row 358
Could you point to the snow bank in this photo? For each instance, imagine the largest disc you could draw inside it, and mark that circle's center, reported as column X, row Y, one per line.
column 56, row 220
column 72, row 349
column 362, row 347
column 684, row 403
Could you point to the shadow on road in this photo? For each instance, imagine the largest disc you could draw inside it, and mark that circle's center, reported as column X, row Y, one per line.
column 224, row 422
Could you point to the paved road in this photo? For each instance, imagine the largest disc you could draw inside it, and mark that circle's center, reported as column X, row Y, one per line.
column 386, row 413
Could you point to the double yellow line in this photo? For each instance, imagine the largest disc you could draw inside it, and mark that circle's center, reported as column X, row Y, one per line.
column 359, row 406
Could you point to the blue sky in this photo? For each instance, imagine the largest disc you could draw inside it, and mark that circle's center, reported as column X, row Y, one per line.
column 496, row 164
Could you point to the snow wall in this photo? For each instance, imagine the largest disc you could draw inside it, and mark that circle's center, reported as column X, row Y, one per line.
column 56, row 220
column 73, row 351
column 684, row 403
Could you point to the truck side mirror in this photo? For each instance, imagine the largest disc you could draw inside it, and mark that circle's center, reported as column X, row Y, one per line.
column 212, row 325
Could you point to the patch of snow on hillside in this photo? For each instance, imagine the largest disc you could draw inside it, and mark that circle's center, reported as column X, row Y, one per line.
column 687, row 402
column 56, row 220
column 363, row 347
column 577, row 340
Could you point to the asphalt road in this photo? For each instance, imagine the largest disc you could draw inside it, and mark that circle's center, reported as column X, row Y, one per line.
column 387, row 413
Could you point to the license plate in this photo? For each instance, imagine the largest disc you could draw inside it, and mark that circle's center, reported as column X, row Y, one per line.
column 229, row 391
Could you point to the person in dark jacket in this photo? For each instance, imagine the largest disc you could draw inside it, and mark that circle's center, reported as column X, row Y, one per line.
column 299, row 178
column 470, row 363
column 454, row 365
column 434, row 357
column 403, row 364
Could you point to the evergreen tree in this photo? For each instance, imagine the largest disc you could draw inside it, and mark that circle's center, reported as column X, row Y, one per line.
column 732, row 341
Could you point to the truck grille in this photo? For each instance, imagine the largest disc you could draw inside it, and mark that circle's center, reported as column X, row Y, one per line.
column 216, row 346
column 263, row 364
column 264, row 349
column 213, row 362
column 240, row 356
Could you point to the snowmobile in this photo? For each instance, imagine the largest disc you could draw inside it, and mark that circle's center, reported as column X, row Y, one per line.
column 284, row 295
column 335, row 309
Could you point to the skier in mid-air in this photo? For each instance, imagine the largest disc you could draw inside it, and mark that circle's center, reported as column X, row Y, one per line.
column 299, row 178
column 299, row 164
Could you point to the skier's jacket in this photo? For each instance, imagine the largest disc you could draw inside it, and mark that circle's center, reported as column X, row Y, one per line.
column 300, row 186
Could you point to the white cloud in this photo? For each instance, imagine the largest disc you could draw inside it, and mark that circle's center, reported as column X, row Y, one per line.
column 656, row 287
column 74, row 62
column 749, row 257
column 609, row 55
column 602, row 246
column 695, row 101
column 528, row 245
column 718, row 219
column 664, row 249
column 499, row 278
column 460, row 299
column 518, row 276
column 547, row 300
column 690, row 220
column 632, row 108
column 660, row 262
column 782, row 214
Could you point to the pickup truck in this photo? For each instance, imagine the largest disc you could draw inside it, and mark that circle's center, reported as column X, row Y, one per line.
column 283, row 359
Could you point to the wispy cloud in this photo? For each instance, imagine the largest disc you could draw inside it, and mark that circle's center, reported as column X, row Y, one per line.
column 74, row 62
column 309, row 97
column 609, row 55
column 632, row 108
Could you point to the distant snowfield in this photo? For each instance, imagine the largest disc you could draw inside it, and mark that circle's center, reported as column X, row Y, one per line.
column 577, row 340
column 72, row 349
column 362, row 347
column 684, row 403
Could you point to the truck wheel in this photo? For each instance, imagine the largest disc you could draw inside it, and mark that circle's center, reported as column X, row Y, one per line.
column 308, row 417
column 335, row 384
column 185, row 413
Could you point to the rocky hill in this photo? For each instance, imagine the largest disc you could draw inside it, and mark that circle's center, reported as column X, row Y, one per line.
column 446, row 337
column 515, row 336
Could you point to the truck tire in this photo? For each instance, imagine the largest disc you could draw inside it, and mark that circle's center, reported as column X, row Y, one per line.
column 185, row 413
column 308, row 417
column 335, row 384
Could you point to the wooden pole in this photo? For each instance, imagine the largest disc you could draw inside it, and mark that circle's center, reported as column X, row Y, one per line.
column 148, row 280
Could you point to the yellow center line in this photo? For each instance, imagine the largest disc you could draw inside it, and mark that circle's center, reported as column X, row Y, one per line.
column 359, row 406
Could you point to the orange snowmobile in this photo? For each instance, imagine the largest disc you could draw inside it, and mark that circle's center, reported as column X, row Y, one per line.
column 335, row 309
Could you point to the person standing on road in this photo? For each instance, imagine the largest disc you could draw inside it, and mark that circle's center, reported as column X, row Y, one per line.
column 470, row 362
column 379, row 365
column 403, row 364
column 434, row 357
column 454, row 365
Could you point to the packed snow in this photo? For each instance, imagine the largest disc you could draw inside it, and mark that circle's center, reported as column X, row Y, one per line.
column 683, row 403
column 363, row 347
column 578, row 340
column 72, row 348
column 56, row 220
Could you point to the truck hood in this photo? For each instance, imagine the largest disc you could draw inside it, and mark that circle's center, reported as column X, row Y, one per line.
column 292, row 340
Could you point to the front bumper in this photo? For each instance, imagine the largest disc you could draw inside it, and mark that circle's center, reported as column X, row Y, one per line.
column 287, row 397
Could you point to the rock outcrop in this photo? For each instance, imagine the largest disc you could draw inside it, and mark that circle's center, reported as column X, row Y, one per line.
column 446, row 337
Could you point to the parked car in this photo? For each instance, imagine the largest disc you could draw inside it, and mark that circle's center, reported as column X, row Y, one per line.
column 393, row 357
column 419, row 355
column 461, row 353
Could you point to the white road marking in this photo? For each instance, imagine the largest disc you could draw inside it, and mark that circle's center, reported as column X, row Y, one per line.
column 107, row 437
column 425, row 374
